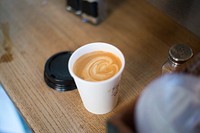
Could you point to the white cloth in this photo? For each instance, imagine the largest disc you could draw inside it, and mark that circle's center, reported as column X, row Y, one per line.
column 170, row 104
column 11, row 121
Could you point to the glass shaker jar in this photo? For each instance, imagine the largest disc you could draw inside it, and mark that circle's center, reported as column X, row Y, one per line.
column 178, row 55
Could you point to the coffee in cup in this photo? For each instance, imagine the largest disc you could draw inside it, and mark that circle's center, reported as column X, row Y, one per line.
column 96, row 69
column 97, row 66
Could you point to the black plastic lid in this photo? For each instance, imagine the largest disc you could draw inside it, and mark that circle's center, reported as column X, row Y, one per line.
column 56, row 73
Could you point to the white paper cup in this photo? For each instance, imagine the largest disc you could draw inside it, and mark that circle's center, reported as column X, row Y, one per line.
column 98, row 97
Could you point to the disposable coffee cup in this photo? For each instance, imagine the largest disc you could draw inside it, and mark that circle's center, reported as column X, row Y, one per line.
column 99, row 97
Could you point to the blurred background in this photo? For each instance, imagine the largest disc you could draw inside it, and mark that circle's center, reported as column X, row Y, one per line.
column 185, row 12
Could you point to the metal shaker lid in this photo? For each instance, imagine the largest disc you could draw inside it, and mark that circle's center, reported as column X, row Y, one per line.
column 180, row 52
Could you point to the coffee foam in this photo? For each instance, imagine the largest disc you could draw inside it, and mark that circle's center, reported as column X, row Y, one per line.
column 97, row 66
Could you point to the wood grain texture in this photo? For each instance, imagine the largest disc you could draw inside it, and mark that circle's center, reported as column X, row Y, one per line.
column 38, row 29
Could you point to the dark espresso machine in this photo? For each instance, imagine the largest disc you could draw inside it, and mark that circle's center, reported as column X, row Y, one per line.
column 92, row 11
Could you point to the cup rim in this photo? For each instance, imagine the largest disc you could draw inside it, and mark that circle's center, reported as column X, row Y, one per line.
column 122, row 59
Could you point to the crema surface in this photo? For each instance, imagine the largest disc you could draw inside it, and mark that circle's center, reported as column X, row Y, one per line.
column 97, row 66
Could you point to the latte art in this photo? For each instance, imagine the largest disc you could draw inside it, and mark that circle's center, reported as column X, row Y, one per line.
column 100, row 68
column 97, row 66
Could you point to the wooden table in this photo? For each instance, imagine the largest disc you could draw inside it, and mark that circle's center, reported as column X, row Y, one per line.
column 33, row 30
